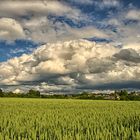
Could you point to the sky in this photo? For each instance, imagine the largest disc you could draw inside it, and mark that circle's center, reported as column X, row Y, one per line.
column 69, row 46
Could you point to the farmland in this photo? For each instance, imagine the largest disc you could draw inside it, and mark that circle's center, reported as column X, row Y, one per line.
column 66, row 119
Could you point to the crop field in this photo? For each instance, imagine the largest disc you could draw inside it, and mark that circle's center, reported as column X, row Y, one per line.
column 55, row 119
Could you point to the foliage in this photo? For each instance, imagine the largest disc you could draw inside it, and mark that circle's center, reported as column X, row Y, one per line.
column 33, row 93
column 1, row 93
column 117, row 95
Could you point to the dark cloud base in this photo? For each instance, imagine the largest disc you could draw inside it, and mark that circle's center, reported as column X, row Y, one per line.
column 114, row 86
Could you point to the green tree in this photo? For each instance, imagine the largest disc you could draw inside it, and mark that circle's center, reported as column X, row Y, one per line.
column 33, row 93
column 123, row 95
column 1, row 93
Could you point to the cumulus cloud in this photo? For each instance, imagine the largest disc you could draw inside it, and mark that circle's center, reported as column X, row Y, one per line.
column 10, row 29
column 72, row 65
column 128, row 55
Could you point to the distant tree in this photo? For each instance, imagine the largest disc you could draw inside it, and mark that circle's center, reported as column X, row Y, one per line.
column 123, row 95
column 84, row 93
column 1, row 93
column 10, row 94
column 33, row 93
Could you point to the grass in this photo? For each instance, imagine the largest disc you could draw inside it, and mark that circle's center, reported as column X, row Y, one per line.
column 56, row 119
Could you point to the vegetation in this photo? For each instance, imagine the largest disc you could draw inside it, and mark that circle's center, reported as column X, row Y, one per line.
column 117, row 95
column 51, row 119
column 30, row 94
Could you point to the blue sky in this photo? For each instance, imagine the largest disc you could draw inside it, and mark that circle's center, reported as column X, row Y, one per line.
column 97, row 12
column 16, row 48
column 25, row 26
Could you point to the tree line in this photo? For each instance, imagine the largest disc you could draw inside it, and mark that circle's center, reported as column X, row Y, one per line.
column 116, row 95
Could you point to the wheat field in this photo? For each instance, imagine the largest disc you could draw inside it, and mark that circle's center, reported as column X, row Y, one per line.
column 56, row 119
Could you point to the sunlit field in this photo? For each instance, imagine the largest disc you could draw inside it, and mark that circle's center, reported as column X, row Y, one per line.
column 54, row 119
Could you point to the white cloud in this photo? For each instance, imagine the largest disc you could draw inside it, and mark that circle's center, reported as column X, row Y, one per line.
column 40, row 28
column 108, row 4
column 113, row 22
column 29, row 9
column 133, row 14
column 99, row 3
column 129, row 34
column 111, row 3
column 85, row 2
column 43, row 30
column 88, row 32
column 73, row 64
column 37, row 25
column 17, row 91
column 135, row 46
column 10, row 29
column 23, row 8
column 121, row 30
